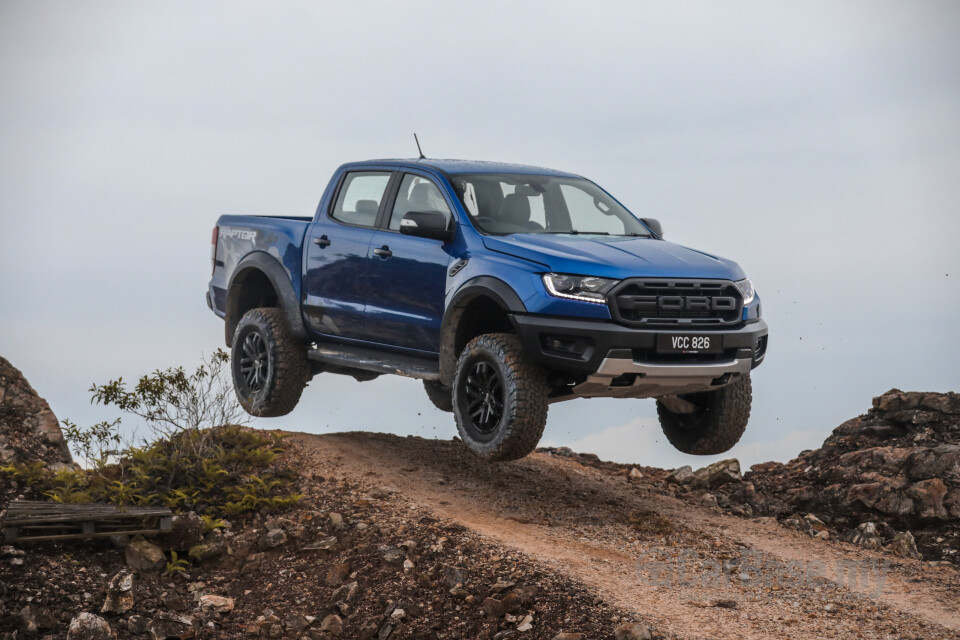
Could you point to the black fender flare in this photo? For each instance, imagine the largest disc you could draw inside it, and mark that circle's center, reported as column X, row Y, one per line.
column 276, row 274
column 487, row 286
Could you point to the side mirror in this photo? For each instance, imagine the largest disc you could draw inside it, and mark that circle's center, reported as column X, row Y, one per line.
column 654, row 225
column 426, row 224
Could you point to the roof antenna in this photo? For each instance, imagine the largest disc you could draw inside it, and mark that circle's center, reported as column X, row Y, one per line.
column 422, row 157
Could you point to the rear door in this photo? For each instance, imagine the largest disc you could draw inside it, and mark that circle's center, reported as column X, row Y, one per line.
column 407, row 274
column 336, row 279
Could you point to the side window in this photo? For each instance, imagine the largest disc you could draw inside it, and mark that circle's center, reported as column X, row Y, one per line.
column 417, row 194
column 360, row 197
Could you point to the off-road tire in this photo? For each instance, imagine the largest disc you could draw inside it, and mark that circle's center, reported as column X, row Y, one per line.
column 287, row 369
column 440, row 395
column 523, row 414
column 717, row 426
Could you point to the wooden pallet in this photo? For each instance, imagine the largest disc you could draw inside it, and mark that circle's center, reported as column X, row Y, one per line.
column 32, row 520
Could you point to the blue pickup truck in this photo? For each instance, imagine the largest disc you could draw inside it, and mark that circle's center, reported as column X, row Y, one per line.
column 505, row 288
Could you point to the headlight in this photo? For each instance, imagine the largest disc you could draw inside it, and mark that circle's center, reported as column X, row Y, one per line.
column 746, row 289
column 583, row 288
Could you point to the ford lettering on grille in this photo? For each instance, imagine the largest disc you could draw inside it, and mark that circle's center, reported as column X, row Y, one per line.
column 676, row 302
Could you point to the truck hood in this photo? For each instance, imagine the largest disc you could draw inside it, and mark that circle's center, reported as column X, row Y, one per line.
column 614, row 256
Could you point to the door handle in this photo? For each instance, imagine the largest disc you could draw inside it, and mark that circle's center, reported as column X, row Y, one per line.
column 383, row 252
column 322, row 241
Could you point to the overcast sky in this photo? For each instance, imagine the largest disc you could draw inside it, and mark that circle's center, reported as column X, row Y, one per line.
column 817, row 144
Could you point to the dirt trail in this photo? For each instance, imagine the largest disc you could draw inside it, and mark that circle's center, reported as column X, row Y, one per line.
column 691, row 571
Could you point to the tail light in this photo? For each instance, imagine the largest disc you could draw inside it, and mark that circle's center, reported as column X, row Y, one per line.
column 213, row 248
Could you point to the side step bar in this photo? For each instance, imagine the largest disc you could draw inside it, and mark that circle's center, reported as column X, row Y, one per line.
column 347, row 359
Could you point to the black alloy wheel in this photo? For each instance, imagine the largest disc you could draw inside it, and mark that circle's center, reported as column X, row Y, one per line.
column 254, row 364
column 484, row 396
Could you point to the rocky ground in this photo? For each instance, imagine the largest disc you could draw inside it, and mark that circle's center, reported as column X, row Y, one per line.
column 889, row 478
column 412, row 538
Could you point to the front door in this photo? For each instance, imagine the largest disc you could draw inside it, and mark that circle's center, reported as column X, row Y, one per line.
column 335, row 281
column 407, row 275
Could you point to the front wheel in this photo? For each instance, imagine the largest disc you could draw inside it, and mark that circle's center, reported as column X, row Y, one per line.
column 269, row 366
column 499, row 398
column 717, row 420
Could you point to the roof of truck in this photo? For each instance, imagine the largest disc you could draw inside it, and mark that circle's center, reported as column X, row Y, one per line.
column 472, row 166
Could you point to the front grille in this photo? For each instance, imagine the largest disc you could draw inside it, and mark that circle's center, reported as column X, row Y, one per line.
column 678, row 303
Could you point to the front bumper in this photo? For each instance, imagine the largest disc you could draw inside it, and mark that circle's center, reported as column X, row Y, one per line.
column 608, row 359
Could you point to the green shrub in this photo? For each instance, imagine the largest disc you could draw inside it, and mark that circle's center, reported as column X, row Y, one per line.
column 193, row 463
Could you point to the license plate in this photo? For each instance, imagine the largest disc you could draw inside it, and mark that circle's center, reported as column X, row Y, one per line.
column 667, row 343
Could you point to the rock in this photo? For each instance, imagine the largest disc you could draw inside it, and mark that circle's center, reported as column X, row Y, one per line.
column 346, row 593
column 865, row 536
column 324, row 544
column 928, row 496
column 502, row 585
column 143, row 555
column 718, row 474
column 272, row 538
column 87, row 626
column 296, row 622
column 137, row 625
column 904, row 545
column 332, row 624
column 681, row 475
column 172, row 626
column 28, row 625
column 337, row 574
column 526, row 623
column 814, row 524
column 119, row 594
column 452, row 576
column 492, row 608
column 762, row 467
column 214, row 547
column 186, row 530
column 511, row 603
column 390, row 554
column 632, row 631
column 173, row 602
column 635, row 474
column 219, row 604
column 30, row 430
column 527, row 594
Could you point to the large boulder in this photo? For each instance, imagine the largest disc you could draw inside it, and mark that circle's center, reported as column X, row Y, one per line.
column 28, row 429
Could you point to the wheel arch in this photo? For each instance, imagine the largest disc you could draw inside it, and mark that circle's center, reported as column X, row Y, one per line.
column 261, row 281
column 482, row 305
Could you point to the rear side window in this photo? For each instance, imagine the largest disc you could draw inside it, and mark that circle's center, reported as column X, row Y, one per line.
column 360, row 196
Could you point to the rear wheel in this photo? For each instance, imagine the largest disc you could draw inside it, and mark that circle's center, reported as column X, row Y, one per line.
column 269, row 366
column 440, row 395
column 499, row 398
column 716, row 422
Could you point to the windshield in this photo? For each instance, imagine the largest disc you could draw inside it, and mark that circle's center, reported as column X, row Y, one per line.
column 516, row 203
